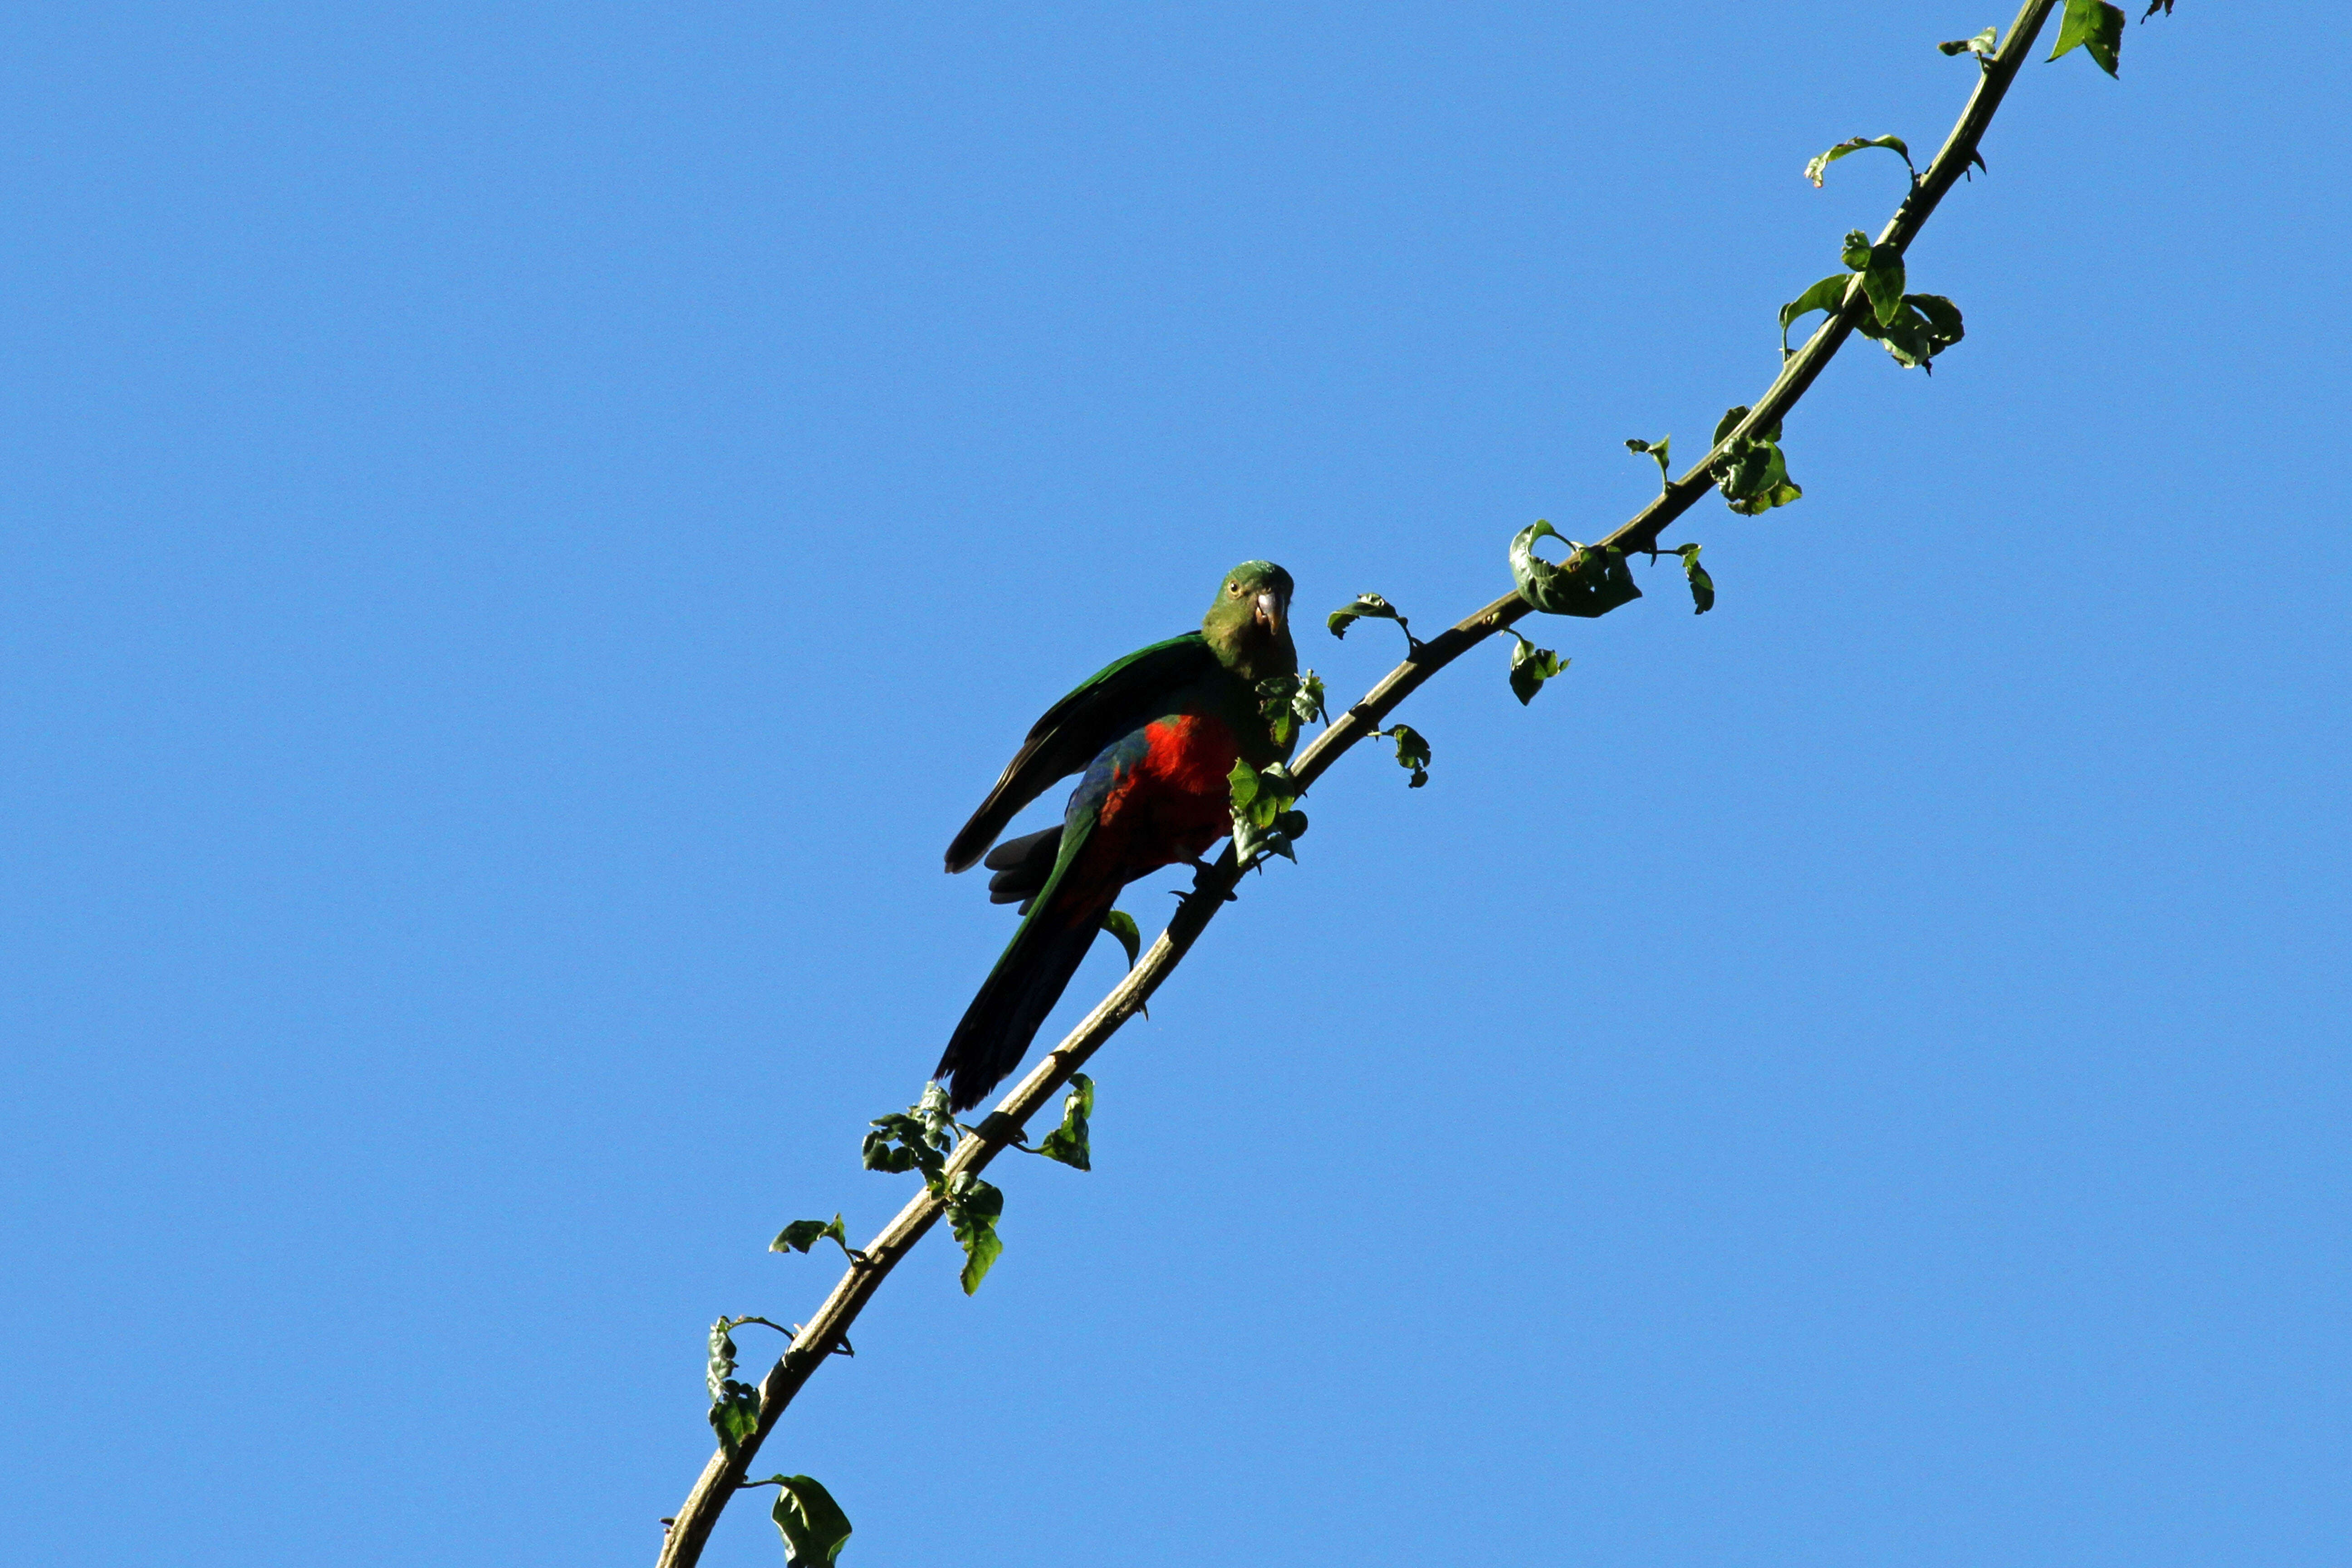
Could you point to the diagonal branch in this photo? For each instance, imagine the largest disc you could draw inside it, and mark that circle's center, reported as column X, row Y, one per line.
column 811, row 1347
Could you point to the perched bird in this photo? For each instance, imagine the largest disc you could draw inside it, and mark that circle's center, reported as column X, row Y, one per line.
column 1156, row 734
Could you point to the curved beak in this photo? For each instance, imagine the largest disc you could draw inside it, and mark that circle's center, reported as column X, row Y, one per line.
column 1269, row 612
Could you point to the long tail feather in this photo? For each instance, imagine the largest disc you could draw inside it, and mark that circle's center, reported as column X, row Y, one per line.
column 1036, row 966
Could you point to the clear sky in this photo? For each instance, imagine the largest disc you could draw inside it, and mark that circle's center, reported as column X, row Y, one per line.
column 528, row 527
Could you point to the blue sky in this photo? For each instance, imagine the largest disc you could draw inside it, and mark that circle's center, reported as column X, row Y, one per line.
column 527, row 527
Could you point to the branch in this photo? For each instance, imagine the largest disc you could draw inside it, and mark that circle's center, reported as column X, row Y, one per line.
column 1213, row 889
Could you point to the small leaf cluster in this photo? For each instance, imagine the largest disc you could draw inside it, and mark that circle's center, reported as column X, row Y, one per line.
column 920, row 1138
column 1412, row 752
column 1531, row 667
column 973, row 1208
column 1820, row 165
column 1984, row 45
column 1286, row 701
column 2098, row 29
column 1371, row 607
column 1591, row 581
column 1068, row 1142
column 1121, row 924
column 734, row 1407
column 803, row 1233
column 1658, row 449
column 1702, row 586
column 1914, row 328
column 1752, row 473
column 813, row 1526
column 1265, row 819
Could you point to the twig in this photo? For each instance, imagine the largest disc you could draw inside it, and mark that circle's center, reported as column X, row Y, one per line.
column 1214, row 887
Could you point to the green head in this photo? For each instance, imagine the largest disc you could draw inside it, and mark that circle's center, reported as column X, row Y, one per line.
column 1248, row 623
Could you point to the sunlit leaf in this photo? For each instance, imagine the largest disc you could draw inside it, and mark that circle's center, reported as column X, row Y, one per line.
column 915, row 1139
column 803, row 1233
column 1589, row 583
column 1927, row 325
column 973, row 1208
column 1943, row 319
column 1657, row 450
column 813, row 1525
column 1068, row 1142
column 1530, row 668
column 735, row 1415
column 1121, row 924
column 1820, row 165
column 1702, row 586
column 938, row 1117
column 2097, row 27
column 1307, row 701
column 1366, row 607
column 1883, row 280
column 1826, row 295
column 1752, row 474
column 1412, row 752
column 1242, row 785
column 734, row 1407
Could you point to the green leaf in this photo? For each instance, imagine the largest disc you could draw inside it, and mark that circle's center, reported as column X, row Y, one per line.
column 915, row 1139
column 2098, row 28
column 813, row 1525
column 1367, row 606
column 1826, row 295
column 1261, row 798
column 1856, row 254
column 1820, row 165
column 937, row 1117
column 1984, row 45
column 1307, row 701
column 1929, row 324
column 1260, row 794
column 1242, row 785
column 1589, row 583
column 1657, row 450
column 735, row 1415
column 734, row 1407
column 803, row 1233
column 1702, row 586
column 1413, row 752
column 973, row 1208
column 1883, row 280
column 1734, row 415
column 1121, row 924
column 1752, row 474
column 1067, row 1143
column 722, row 1356
column 1767, row 489
column 1530, row 668
column 1943, row 319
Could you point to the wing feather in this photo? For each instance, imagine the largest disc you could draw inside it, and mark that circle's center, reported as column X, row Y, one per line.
column 1111, row 703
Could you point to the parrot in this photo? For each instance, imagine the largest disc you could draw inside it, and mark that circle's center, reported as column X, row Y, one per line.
column 1154, row 738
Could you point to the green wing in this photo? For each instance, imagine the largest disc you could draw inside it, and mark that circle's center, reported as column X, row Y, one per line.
column 1114, row 700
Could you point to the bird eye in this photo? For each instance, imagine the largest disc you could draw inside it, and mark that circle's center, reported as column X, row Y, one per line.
column 1234, row 588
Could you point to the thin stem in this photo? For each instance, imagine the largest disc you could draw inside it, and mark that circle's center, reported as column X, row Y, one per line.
column 1213, row 888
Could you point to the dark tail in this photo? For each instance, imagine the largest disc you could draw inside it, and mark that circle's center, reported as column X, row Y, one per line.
column 1022, row 989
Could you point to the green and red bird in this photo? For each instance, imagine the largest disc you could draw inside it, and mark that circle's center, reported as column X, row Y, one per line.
column 1155, row 736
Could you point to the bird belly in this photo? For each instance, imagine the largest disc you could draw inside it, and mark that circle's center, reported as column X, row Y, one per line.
column 1175, row 799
